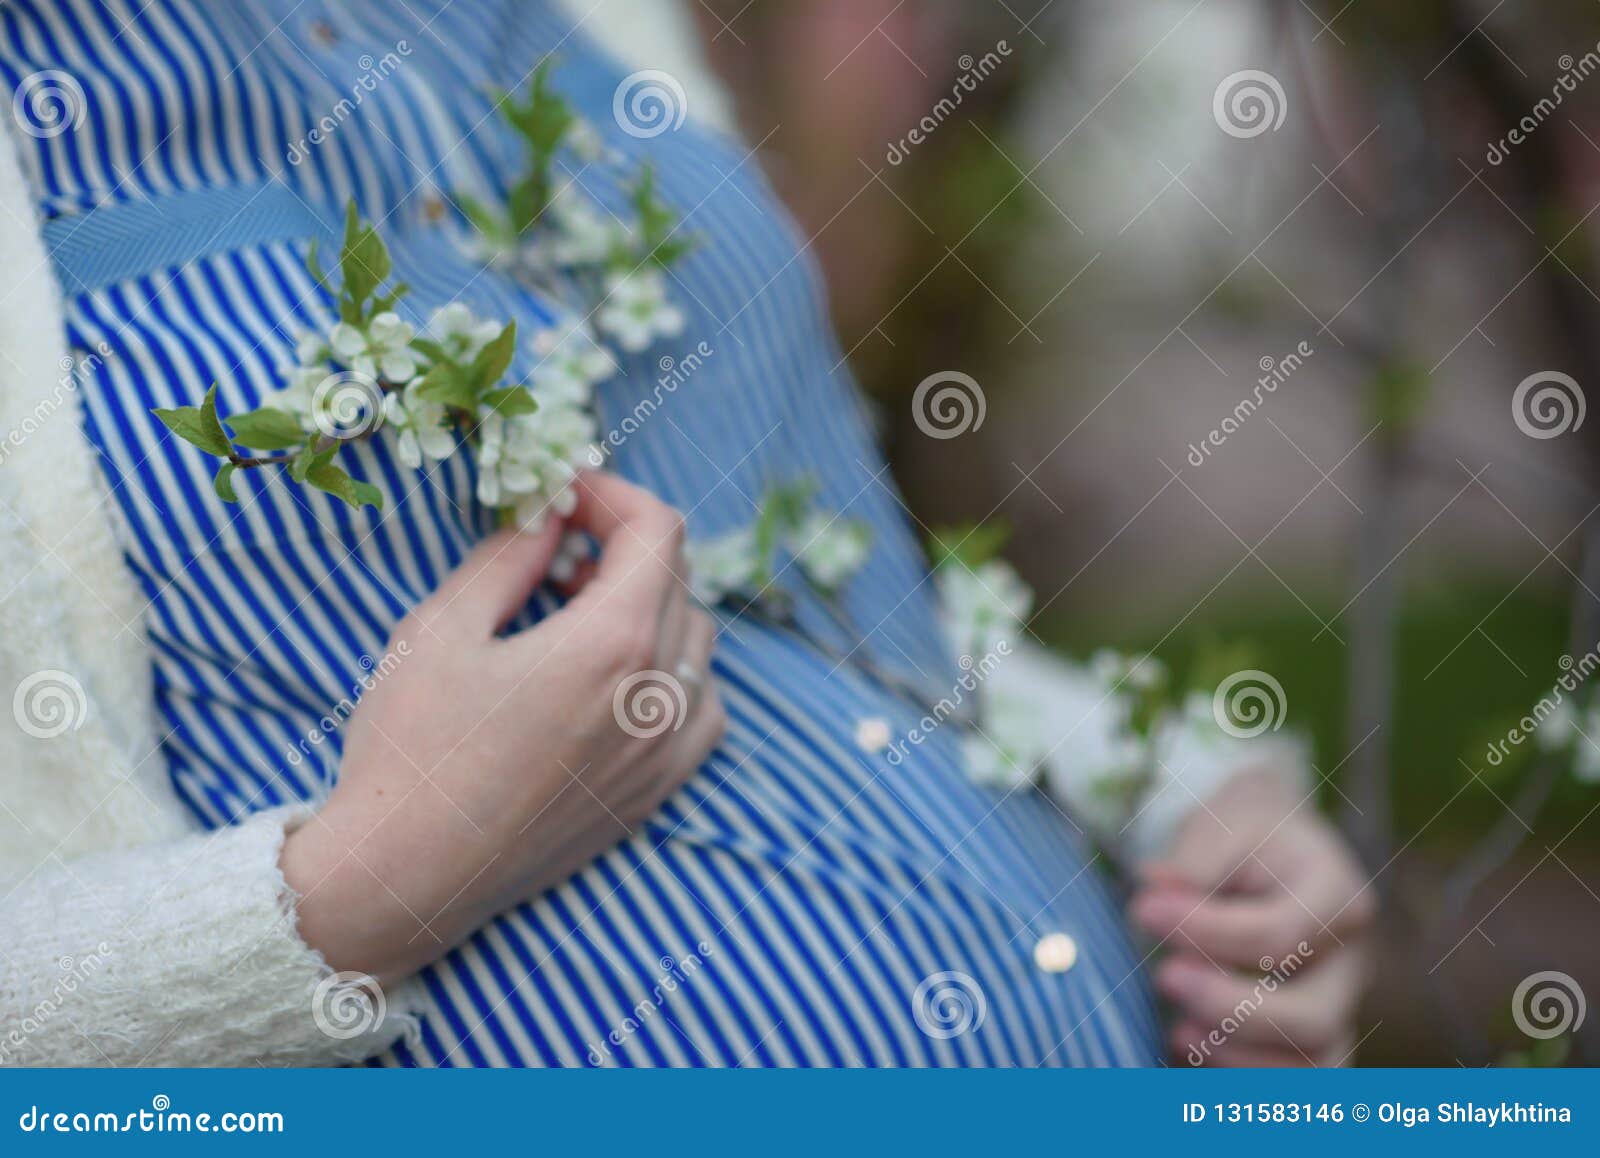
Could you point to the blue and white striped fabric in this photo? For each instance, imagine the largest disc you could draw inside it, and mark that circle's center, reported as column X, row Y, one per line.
column 801, row 901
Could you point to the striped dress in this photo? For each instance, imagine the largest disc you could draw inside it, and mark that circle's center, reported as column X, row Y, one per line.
column 801, row 902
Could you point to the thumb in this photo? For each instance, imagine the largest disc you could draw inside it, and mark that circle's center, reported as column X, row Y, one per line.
column 494, row 581
column 1203, row 855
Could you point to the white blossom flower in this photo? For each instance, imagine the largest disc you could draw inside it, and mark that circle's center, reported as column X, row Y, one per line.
column 382, row 351
column 585, row 142
column 830, row 549
column 461, row 332
column 637, row 309
column 990, row 766
column 528, row 461
column 572, row 232
column 570, row 362
column 1586, row 754
column 722, row 565
column 312, row 348
column 297, row 393
column 982, row 607
column 422, row 427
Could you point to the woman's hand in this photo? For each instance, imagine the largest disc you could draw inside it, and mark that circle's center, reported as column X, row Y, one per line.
column 1267, row 917
column 481, row 770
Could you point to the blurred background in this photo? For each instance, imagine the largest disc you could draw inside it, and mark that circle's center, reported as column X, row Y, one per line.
column 1288, row 308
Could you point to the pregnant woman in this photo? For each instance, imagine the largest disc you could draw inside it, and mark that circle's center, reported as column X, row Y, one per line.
column 298, row 781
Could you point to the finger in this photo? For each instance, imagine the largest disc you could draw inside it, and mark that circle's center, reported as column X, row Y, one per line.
column 674, row 630
column 1203, row 855
column 641, row 542
column 687, row 750
column 1237, row 929
column 493, row 582
column 700, row 636
column 706, row 721
column 1311, row 1006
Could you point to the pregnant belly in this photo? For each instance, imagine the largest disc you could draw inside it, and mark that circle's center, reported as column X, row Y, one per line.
column 804, row 902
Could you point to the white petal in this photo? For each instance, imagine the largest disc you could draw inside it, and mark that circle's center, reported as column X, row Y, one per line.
column 410, row 452
column 346, row 340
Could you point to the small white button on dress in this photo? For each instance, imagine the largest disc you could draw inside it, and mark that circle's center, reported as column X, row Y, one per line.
column 872, row 734
column 1055, row 953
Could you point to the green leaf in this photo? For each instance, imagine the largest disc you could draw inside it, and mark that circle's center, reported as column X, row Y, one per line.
column 386, row 301
column 430, row 349
column 363, row 261
column 657, row 226
column 198, row 425
column 543, row 118
column 485, row 220
column 326, row 476
column 314, row 267
column 509, row 401
column 308, row 458
column 449, row 385
column 223, row 483
column 971, row 544
column 494, row 359
column 266, row 429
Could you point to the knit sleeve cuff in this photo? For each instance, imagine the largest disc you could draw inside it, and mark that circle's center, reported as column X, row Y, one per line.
column 182, row 953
